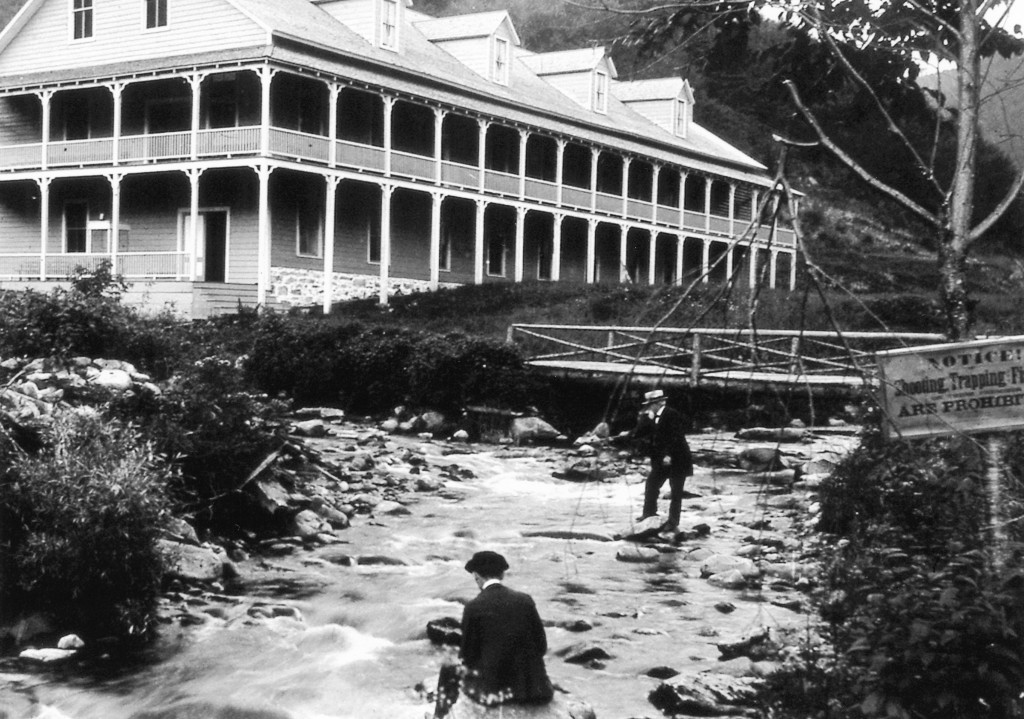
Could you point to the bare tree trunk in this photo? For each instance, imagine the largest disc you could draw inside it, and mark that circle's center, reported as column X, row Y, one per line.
column 953, row 243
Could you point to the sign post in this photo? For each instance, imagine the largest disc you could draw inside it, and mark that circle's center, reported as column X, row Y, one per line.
column 958, row 388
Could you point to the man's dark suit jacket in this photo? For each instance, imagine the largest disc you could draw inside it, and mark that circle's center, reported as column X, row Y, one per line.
column 503, row 645
column 665, row 437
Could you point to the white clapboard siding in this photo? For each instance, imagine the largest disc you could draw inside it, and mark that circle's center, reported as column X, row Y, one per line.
column 574, row 85
column 360, row 16
column 473, row 52
column 119, row 35
column 657, row 111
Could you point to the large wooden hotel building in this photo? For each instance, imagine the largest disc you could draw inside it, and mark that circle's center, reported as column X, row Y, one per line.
column 300, row 152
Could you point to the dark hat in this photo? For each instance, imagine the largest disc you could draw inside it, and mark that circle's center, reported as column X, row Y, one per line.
column 487, row 563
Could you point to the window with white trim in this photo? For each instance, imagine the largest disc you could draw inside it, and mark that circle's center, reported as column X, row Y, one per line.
column 682, row 123
column 600, row 91
column 389, row 24
column 76, row 226
column 81, row 19
column 156, row 14
column 495, row 254
column 500, row 64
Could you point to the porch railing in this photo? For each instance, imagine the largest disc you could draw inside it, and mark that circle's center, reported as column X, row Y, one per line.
column 161, row 146
column 132, row 265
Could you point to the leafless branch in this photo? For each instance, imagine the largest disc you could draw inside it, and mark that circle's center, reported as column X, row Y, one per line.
column 854, row 165
column 996, row 213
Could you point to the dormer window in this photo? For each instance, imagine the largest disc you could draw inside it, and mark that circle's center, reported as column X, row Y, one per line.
column 600, row 99
column 500, row 66
column 156, row 14
column 81, row 19
column 389, row 24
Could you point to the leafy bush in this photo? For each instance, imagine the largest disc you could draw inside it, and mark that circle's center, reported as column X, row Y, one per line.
column 211, row 426
column 81, row 520
column 372, row 369
column 924, row 615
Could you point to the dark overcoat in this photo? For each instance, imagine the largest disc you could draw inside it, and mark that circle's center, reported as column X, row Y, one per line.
column 665, row 437
column 503, row 646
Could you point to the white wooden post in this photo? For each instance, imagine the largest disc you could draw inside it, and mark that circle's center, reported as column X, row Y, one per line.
column 386, row 191
column 330, row 207
column 435, row 239
column 263, row 236
column 44, row 221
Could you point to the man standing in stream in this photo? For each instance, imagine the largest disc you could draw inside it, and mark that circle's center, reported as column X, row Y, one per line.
column 660, row 430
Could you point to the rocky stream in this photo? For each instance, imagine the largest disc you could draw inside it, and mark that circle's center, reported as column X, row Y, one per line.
column 346, row 614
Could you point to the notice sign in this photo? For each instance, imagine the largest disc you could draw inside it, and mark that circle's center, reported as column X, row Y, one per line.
column 951, row 388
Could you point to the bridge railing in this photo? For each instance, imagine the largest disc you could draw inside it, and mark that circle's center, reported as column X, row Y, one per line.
column 708, row 353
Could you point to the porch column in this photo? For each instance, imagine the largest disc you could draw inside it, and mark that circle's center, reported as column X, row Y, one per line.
column 556, row 246
column 524, row 137
column 478, row 248
column 755, row 200
column 626, row 162
column 792, row 271
column 591, row 249
column 439, row 116
column 559, row 169
column 192, row 240
column 263, row 237
column 594, row 155
column 481, row 152
column 330, row 205
column 520, row 222
column 707, row 204
column 44, row 221
column 266, row 77
column 389, row 105
column 195, row 82
column 651, row 265
column 682, row 198
column 623, row 252
column 45, row 98
column 334, row 92
column 386, row 191
column 752, row 266
column 728, row 265
column 680, row 246
column 732, row 209
column 705, row 261
column 115, row 218
column 773, row 266
column 436, row 200
column 654, row 193
column 116, row 91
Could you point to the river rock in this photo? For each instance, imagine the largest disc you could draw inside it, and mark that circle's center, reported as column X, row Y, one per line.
column 705, row 694
column 116, row 380
column 791, row 571
column 583, row 653
column 178, row 530
column 191, row 563
column 310, row 428
column 583, row 470
column 780, row 434
column 70, row 642
column 391, row 507
column 729, row 579
column 760, row 459
column 49, row 655
column 307, row 524
column 718, row 563
column 637, row 554
column 446, row 631
column 531, row 429
column 569, row 534
column 334, row 517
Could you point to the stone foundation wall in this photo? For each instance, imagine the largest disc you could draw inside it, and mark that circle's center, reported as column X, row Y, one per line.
column 301, row 288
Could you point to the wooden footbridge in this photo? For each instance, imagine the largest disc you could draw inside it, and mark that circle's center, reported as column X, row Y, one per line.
column 819, row 362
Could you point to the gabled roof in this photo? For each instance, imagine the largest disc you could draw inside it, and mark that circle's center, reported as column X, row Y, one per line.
column 662, row 88
column 566, row 61
column 425, row 68
column 459, row 27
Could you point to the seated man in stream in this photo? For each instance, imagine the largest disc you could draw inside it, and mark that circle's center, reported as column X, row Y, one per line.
column 503, row 646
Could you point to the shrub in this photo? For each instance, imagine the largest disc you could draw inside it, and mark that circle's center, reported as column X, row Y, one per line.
column 211, row 426
column 81, row 521
column 924, row 618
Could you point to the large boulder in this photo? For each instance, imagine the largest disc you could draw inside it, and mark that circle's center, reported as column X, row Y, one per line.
column 531, row 429
column 705, row 694
column 191, row 563
column 561, row 707
column 760, row 459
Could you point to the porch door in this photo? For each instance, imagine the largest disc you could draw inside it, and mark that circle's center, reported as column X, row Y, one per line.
column 212, row 246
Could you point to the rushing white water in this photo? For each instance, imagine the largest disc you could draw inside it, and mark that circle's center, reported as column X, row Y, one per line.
column 350, row 641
